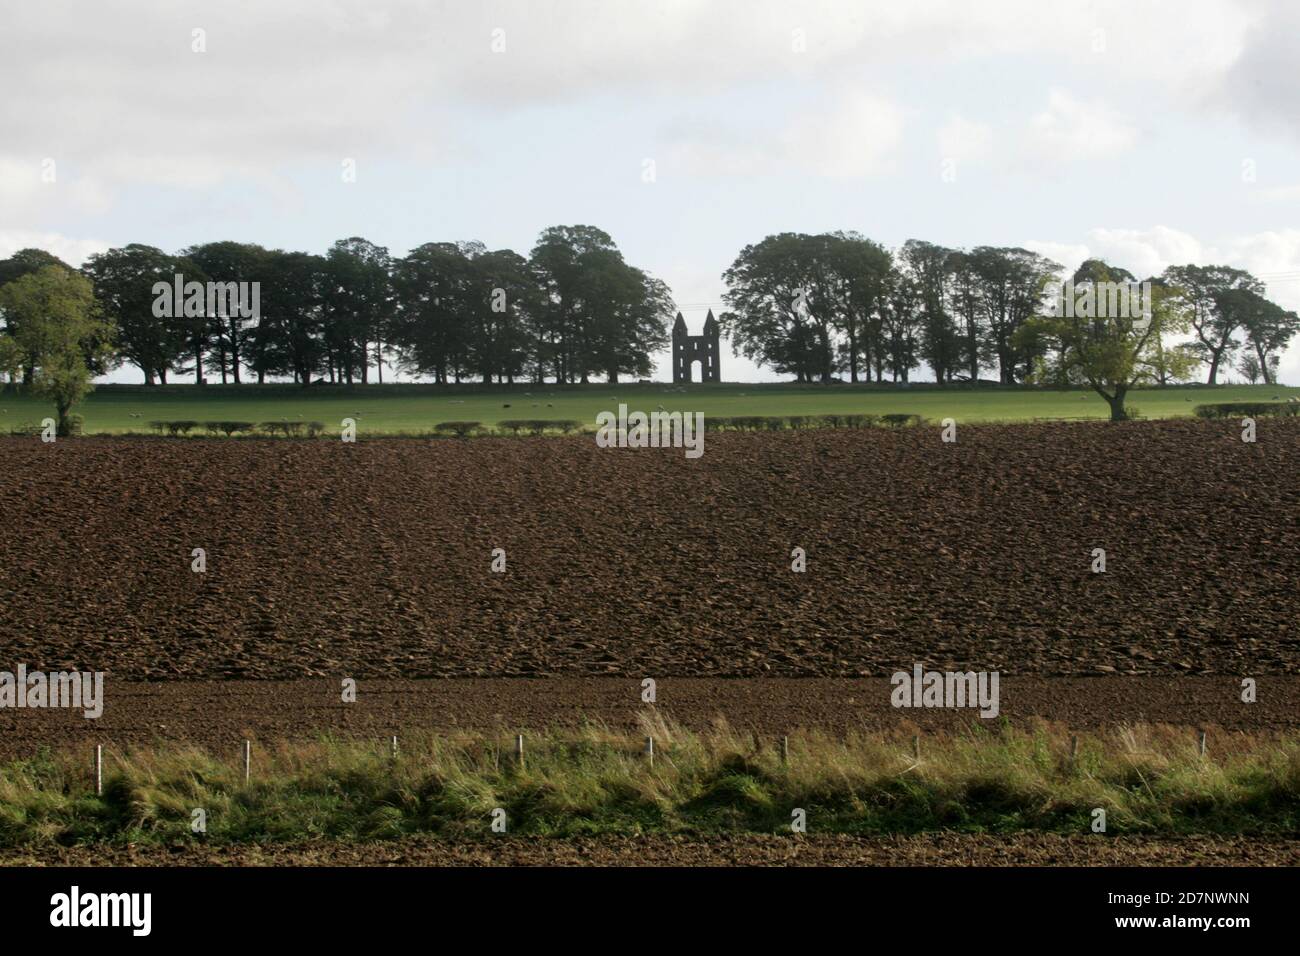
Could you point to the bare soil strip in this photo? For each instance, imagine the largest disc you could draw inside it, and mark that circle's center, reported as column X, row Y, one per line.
column 941, row 849
column 220, row 714
column 373, row 559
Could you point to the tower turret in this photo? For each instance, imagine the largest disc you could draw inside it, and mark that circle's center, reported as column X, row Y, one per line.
column 689, row 349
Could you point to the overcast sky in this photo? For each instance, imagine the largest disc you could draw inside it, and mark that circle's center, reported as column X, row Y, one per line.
column 1146, row 133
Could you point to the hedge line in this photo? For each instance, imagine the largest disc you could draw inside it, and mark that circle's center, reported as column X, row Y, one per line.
column 1247, row 409
column 228, row 428
column 537, row 426
column 757, row 423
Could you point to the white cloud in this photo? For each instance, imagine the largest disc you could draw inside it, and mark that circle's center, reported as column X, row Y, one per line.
column 857, row 137
column 1277, row 194
column 1148, row 252
column 116, row 92
column 1070, row 255
column 965, row 140
column 72, row 251
column 1071, row 129
column 1259, row 85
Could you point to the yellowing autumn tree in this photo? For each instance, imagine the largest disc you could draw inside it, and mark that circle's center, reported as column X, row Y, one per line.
column 53, row 320
column 1108, row 331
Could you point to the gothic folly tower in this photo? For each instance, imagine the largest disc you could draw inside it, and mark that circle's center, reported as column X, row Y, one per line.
column 688, row 349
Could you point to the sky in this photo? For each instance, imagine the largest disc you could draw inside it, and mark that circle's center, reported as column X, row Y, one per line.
column 1146, row 133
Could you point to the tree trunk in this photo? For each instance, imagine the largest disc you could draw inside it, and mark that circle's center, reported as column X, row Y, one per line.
column 1263, row 366
column 1116, row 403
column 62, row 408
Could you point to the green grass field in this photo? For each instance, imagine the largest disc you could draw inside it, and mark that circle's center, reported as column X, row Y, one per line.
column 417, row 408
column 592, row 781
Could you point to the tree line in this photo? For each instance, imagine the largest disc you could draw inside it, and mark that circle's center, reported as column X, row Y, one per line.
column 811, row 306
column 819, row 306
column 450, row 311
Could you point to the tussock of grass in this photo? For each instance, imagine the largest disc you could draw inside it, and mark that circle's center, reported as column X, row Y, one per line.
column 1149, row 780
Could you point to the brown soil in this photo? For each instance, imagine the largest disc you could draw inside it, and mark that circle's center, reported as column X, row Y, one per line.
column 372, row 560
column 943, row 849
column 219, row 715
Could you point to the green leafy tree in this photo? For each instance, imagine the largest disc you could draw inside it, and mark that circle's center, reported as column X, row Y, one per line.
column 1268, row 327
column 859, row 269
column 11, row 358
column 901, row 324
column 231, row 332
column 1010, row 283
column 1214, row 325
column 1249, row 367
column 358, row 305
column 633, row 310
column 599, row 315
column 507, row 301
column 124, row 280
column 58, row 327
column 929, row 269
column 784, row 305
column 288, row 339
column 437, row 295
column 1113, row 345
column 21, row 263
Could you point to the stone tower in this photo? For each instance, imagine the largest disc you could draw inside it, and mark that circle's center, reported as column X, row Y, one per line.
column 687, row 349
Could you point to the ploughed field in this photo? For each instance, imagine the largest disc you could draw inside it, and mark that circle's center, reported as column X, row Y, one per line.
column 217, row 715
column 928, row 849
column 373, row 560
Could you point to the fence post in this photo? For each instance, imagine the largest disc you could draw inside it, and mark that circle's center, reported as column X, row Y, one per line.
column 650, row 750
column 1074, row 749
column 248, row 760
column 785, row 749
column 394, row 746
column 99, row 770
column 1202, row 743
column 519, row 749
column 916, row 746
